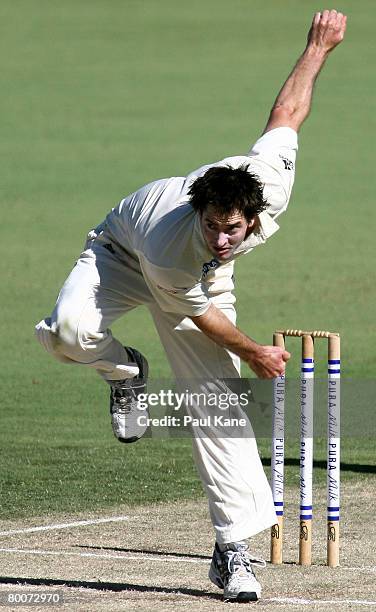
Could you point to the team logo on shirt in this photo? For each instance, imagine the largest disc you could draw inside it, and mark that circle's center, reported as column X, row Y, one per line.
column 210, row 265
column 288, row 163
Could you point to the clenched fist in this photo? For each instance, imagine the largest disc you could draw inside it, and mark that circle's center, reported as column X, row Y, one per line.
column 327, row 30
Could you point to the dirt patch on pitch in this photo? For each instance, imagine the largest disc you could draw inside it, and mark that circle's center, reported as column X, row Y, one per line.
column 158, row 557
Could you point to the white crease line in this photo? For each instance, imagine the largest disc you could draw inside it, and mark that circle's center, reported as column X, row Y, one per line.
column 139, row 557
column 113, row 519
column 309, row 602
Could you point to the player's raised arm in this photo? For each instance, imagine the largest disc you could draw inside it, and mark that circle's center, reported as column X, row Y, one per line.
column 293, row 102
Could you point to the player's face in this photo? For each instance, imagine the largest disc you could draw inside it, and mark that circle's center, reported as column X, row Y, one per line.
column 224, row 234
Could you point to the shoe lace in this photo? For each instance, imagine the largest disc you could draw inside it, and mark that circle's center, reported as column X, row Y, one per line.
column 125, row 398
column 241, row 559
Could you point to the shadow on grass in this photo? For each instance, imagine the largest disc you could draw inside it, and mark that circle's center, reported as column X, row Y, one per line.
column 144, row 551
column 107, row 586
column 364, row 468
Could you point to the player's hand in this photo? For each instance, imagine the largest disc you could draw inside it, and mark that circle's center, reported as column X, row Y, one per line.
column 327, row 30
column 268, row 361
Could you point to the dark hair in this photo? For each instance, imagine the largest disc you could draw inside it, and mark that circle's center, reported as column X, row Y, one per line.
column 228, row 189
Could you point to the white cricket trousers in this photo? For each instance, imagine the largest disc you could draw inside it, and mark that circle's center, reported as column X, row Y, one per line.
column 105, row 284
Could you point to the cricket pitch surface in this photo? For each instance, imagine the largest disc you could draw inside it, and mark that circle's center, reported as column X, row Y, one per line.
column 156, row 558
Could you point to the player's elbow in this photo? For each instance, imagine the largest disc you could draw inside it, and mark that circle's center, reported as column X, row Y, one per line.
column 285, row 115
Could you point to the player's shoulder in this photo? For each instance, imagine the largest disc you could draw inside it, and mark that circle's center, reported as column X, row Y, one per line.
column 281, row 143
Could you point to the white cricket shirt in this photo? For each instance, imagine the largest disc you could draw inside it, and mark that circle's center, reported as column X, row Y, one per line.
column 157, row 226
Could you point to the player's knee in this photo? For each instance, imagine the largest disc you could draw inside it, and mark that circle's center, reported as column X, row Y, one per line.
column 48, row 338
column 66, row 334
column 67, row 340
column 72, row 340
column 77, row 342
column 45, row 336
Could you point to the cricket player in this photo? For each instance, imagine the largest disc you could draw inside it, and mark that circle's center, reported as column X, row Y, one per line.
column 172, row 246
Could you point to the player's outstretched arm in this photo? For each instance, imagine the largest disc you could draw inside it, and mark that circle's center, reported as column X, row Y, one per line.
column 265, row 361
column 293, row 102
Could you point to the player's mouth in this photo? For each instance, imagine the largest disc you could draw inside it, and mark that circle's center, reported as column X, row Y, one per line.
column 222, row 252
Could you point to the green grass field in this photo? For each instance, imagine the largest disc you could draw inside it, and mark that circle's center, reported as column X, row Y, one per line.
column 99, row 98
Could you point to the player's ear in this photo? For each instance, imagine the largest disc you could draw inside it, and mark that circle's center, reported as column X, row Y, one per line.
column 253, row 224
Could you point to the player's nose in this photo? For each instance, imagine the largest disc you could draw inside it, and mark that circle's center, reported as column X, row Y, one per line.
column 221, row 239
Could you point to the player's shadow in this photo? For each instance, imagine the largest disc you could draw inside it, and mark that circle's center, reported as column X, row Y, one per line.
column 107, row 586
column 143, row 551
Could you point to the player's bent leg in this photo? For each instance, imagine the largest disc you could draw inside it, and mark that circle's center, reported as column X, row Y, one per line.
column 78, row 333
column 124, row 390
column 78, row 329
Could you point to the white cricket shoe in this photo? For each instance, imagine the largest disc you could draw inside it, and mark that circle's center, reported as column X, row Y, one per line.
column 232, row 571
column 124, row 408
